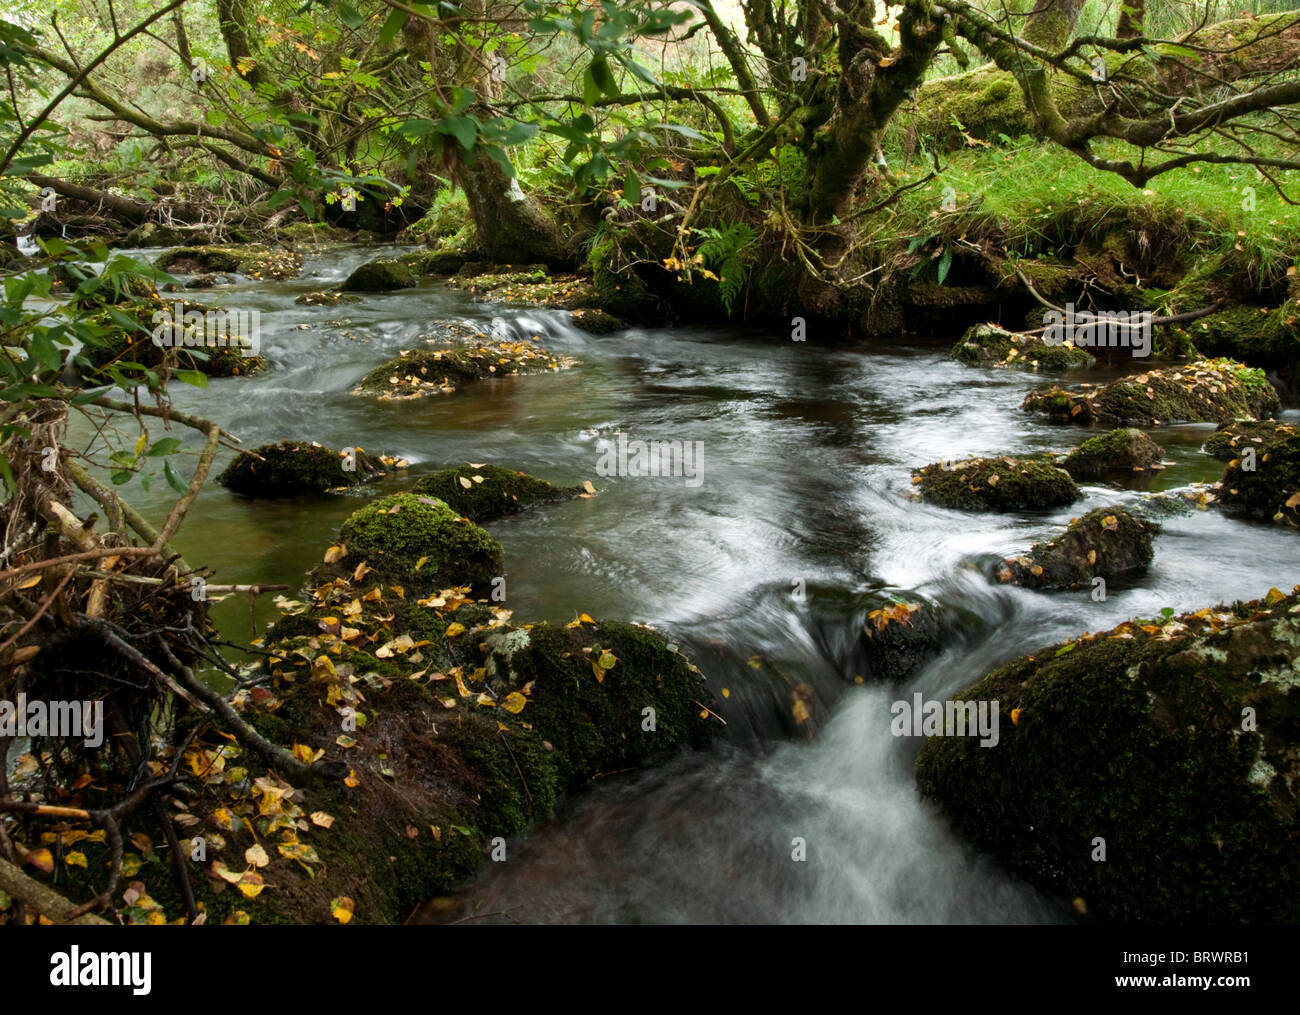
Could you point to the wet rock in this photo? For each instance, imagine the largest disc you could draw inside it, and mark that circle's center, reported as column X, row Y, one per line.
column 253, row 260
column 482, row 492
column 458, row 355
column 205, row 281
column 1173, row 743
column 1123, row 450
column 214, row 357
column 1270, row 490
column 1109, row 543
column 597, row 322
column 419, row 542
column 989, row 345
column 326, row 298
column 383, row 275
column 1231, row 439
column 1206, row 391
column 293, row 468
column 995, row 484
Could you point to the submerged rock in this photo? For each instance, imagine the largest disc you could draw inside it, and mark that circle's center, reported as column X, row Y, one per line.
column 1206, row 391
column 416, row 540
column 1108, row 543
column 253, row 260
column 1270, row 490
column 1124, row 450
column 380, row 276
column 1170, row 747
column 989, row 345
column 292, row 468
column 1231, row 439
column 995, row 484
column 457, row 357
column 326, row 298
column 481, row 492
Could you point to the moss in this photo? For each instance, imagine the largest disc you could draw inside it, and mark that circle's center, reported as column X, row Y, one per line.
column 212, row 360
column 492, row 491
column 1108, row 543
column 421, row 541
column 1204, row 391
column 986, row 102
column 1271, row 490
column 379, row 276
column 327, row 298
column 1260, row 336
column 253, row 261
column 597, row 322
column 460, row 357
column 1124, row 450
column 1231, row 439
column 291, row 468
column 996, row 484
column 1136, row 736
column 619, row 291
column 989, row 345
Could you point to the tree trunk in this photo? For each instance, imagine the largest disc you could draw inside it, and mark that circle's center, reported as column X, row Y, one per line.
column 511, row 228
column 1050, row 24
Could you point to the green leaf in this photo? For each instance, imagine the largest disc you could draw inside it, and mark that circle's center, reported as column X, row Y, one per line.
column 396, row 19
column 197, row 378
column 7, row 474
column 945, row 262
column 590, row 87
column 121, row 476
column 349, row 15
column 463, row 128
column 604, row 77
column 632, row 187
column 173, row 480
column 166, row 446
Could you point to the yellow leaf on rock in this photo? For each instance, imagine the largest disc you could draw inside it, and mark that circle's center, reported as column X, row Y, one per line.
column 341, row 908
column 464, row 482
column 454, row 629
column 321, row 819
column 75, row 859
column 1110, row 523
column 586, row 485
column 514, row 703
column 800, row 711
column 335, row 553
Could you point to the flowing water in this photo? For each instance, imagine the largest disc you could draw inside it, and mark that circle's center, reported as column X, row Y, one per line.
column 807, row 451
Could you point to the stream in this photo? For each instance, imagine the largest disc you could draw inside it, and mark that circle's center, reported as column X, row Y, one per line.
column 807, row 450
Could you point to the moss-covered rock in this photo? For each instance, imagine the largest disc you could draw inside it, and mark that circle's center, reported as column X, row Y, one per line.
column 326, row 298
column 995, row 484
column 1175, row 742
column 989, row 345
column 1123, row 450
column 1260, row 336
column 292, row 468
column 487, row 491
column 379, row 276
column 1107, row 543
column 1271, row 489
column 457, row 356
column 416, row 541
column 209, row 357
column 253, row 260
column 1231, row 439
column 597, row 322
column 1206, row 391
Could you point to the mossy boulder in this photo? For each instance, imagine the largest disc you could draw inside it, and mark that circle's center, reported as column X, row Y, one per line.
column 1177, row 742
column 326, row 298
column 1231, row 439
column 292, row 468
column 457, row 356
column 419, row 542
column 1271, row 489
column 487, row 491
column 212, row 360
column 1205, row 391
column 996, row 484
column 1108, row 543
column 596, row 322
column 1124, row 450
column 383, row 275
column 530, row 285
column 252, row 260
column 989, row 345
column 1260, row 336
